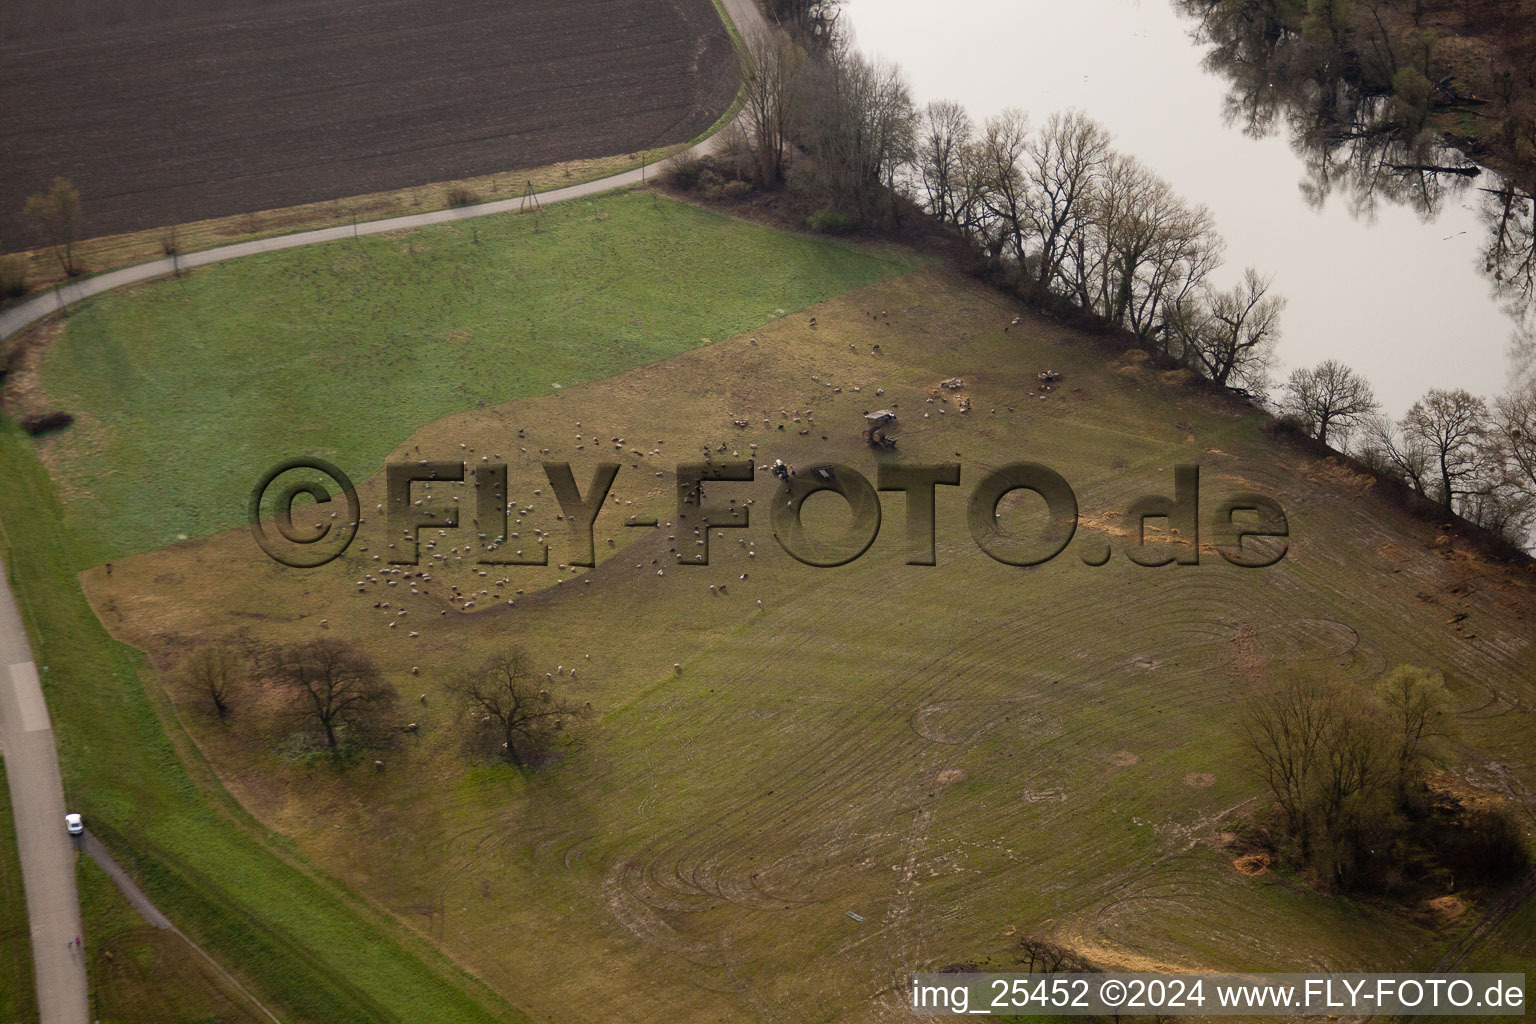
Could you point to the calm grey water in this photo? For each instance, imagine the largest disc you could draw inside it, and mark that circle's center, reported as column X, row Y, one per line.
column 1400, row 298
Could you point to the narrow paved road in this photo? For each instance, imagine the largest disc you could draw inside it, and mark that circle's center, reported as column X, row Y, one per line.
column 37, row 800
column 749, row 24
column 26, row 735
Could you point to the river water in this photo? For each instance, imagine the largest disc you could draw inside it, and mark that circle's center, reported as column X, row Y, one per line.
column 1399, row 296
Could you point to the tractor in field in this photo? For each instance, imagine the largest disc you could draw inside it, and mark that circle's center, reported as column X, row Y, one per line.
column 874, row 432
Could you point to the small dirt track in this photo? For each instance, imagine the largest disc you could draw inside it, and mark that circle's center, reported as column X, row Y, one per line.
column 165, row 111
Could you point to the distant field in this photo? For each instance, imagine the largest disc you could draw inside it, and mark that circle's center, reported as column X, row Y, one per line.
column 957, row 754
column 188, row 390
column 165, row 112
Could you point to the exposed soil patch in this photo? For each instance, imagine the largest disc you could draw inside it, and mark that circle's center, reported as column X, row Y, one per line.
column 1446, row 908
column 1252, row 864
column 1243, row 653
column 1331, row 471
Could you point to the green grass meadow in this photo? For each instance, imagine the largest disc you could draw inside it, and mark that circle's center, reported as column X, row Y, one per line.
column 188, row 390
column 797, row 785
column 142, row 975
column 958, row 754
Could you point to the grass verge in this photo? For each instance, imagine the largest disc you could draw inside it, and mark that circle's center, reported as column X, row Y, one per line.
column 18, row 996
column 110, row 252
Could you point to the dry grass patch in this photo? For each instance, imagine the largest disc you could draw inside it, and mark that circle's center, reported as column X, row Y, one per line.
column 772, row 741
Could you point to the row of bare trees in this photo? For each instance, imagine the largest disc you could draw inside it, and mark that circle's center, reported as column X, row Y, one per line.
column 849, row 118
column 1475, row 458
column 1472, row 457
column 1073, row 224
column 330, row 684
column 1081, row 225
column 1054, row 208
column 335, row 689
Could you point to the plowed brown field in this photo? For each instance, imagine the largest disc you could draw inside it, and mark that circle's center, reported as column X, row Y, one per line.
column 164, row 111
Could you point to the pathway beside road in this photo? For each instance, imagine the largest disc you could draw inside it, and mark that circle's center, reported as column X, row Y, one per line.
column 151, row 913
column 37, row 801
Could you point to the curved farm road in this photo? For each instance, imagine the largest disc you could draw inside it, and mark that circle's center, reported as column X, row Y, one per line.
column 749, row 23
column 32, row 766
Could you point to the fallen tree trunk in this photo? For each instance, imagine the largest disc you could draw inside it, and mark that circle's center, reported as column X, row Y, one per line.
column 1465, row 172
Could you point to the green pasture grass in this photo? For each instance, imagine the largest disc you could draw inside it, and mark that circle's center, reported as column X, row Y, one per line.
column 960, row 754
column 187, row 390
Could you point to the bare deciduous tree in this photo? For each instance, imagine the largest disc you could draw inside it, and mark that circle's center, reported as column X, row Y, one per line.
column 55, row 217
column 1451, row 427
column 1156, row 249
column 814, row 21
column 332, row 683
column 1285, row 731
column 1502, row 511
column 1063, row 161
column 1327, row 397
column 1005, row 192
column 1420, row 712
column 1353, row 798
column 1514, row 425
column 1327, row 758
column 1230, row 338
column 1387, row 449
column 215, row 672
column 1043, row 956
column 946, row 134
column 1509, row 256
column 855, row 118
column 1507, row 505
column 767, row 109
column 504, row 691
